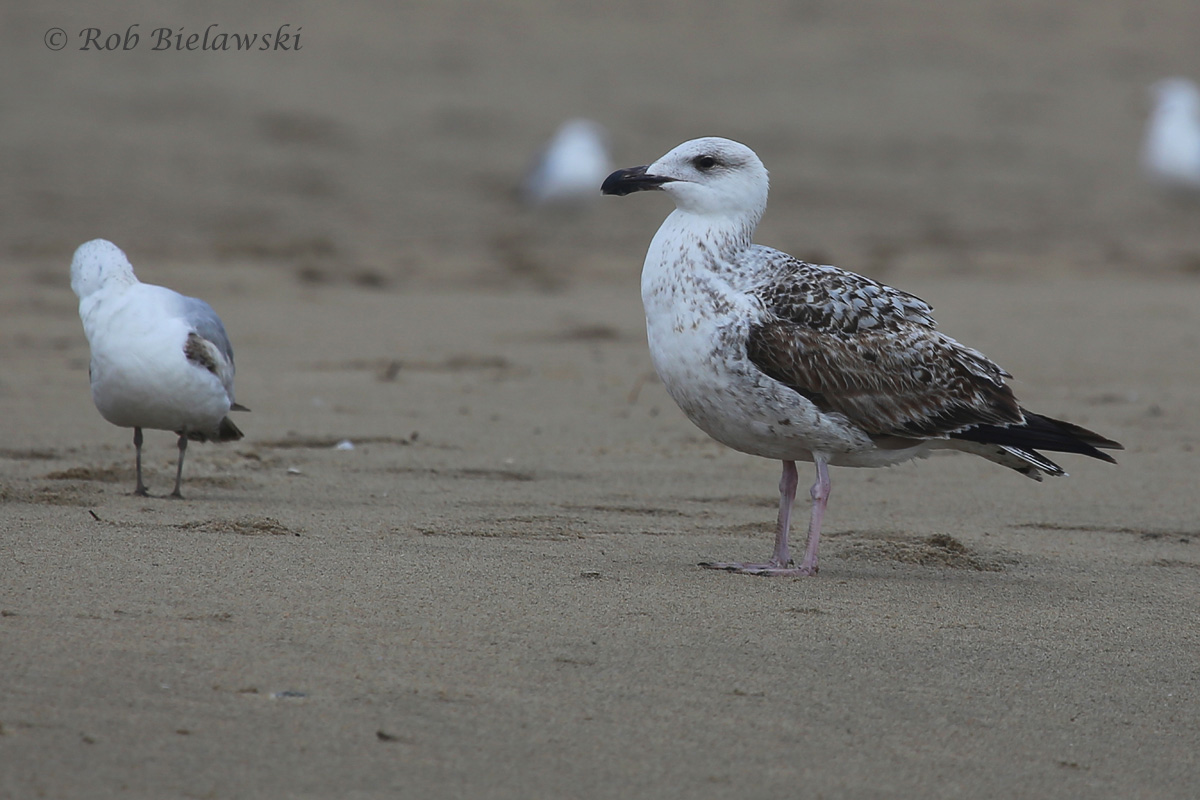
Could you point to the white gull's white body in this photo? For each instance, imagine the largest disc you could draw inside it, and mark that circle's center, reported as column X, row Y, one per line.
column 570, row 168
column 800, row 362
column 1171, row 148
column 159, row 359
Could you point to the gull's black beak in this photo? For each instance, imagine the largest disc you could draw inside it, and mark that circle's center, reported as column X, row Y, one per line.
column 628, row 181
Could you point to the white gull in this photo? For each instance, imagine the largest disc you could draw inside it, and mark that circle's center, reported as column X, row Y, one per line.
column 160, row 360
column 570, row 167
column 1171, row 147
column 799, row 362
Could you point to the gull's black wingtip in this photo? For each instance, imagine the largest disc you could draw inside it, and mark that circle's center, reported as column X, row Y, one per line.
column 1040, row 432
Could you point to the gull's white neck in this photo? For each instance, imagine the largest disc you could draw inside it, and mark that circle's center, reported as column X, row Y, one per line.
column 105, row 299
column 688, row 243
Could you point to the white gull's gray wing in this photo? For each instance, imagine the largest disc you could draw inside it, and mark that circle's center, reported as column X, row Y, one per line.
column 204, row 320
column 208, row 346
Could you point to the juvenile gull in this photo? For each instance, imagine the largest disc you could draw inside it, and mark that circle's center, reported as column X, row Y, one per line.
column 160, row 360
column 798, row 362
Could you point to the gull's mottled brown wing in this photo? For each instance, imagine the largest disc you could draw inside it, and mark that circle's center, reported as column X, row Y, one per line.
column 872, row 354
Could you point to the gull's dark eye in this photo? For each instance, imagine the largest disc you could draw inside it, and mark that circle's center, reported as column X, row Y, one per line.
column 704, row 162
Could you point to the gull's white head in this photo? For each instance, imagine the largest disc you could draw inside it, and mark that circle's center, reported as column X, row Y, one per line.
column 710, row 176
column 96, row 264
column 1176, row 94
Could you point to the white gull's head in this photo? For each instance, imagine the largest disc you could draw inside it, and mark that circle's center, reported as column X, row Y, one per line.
column 97, row 263
column 1179, row 94
column 708, row 177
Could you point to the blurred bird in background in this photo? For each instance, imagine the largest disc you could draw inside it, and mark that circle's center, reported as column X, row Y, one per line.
column 570, row 169
column 1171, row 148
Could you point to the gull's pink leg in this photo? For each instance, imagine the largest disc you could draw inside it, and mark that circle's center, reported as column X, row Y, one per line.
column 820, row 496
column 780, row 564
column 787, row 496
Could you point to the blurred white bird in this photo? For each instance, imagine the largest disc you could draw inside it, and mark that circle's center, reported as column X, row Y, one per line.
column 1171, row 150
column 160, row 360
column 568, row 173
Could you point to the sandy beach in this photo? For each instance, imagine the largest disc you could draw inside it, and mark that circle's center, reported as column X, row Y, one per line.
column 494, row 593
